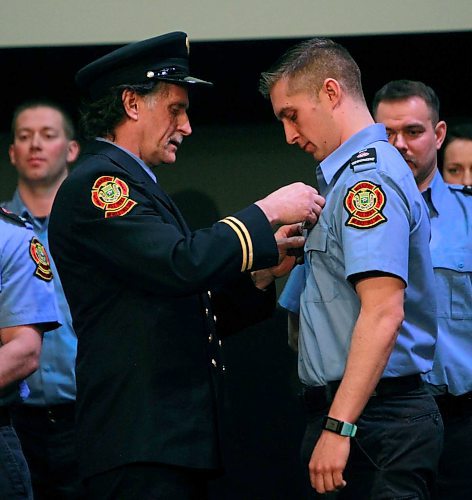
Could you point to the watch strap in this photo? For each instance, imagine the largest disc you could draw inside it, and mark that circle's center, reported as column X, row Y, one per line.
column 339, row 427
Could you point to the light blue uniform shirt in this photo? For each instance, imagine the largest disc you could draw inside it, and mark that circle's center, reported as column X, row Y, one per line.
column 374, row 220
column 451, row 250
column 54, row 381
column 290, row 297
column 25, row 298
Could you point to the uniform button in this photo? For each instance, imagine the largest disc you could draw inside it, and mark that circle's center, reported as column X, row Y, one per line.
column 206, row 311
column 461, row 265
column 209, row 294
column 213, row 362
column 214, row 319
column 223, row 368
column 220, row 343
column 210, row 338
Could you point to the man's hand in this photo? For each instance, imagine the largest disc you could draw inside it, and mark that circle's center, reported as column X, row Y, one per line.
column 296, row 202
column 290, row 243
column 328, row 462
column 288, row 238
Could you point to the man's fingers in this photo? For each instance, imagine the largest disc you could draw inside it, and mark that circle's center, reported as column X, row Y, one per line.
column 338, row 480
column 292, row 242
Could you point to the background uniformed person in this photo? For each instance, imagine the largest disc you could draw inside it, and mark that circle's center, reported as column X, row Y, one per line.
column 410, row 112
column 367, row 322
column 457, row 155
column 42, row 148
column 27, row 309
column 149, row 298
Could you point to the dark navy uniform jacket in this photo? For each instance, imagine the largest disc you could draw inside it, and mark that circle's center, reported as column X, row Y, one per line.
column 149, row 302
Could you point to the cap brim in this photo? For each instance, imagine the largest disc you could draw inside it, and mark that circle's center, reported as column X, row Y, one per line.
column 187, row 80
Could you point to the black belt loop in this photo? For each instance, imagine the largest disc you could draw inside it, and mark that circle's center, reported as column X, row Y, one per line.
column 319, row 397
column 5, row 418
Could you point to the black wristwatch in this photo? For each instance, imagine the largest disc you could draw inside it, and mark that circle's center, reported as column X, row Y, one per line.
column 339, row 427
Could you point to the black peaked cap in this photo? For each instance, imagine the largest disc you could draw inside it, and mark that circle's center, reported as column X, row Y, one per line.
column 163, row 57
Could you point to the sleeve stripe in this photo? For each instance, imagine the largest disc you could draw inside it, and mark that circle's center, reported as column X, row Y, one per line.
column 250, row 248
column 242, row 240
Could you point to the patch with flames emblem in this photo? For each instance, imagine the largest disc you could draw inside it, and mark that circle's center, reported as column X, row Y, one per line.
column 364, row 202
column 40, row 257
column 111, row 194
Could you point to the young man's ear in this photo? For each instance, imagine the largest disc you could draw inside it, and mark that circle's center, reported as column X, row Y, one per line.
column 332, row 90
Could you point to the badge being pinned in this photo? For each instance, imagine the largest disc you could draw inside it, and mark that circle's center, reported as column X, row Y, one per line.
column 40, row 257
column 364, row 202
column 111, row 194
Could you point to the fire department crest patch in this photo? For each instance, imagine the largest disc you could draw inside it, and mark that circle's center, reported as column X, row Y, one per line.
column 111, row 194
column 40, row 257
column 364, row 202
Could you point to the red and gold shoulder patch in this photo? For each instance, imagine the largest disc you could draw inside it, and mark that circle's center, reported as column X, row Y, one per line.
column 40, row 257
column 111, row 194
column 364, row 202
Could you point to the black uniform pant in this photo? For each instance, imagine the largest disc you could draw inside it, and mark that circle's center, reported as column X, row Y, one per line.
column 455, row 465
column 147, row 481
column 15, row 481
column 47, row 436
column 396, row 451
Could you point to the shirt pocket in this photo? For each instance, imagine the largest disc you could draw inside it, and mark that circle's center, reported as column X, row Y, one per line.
column 320, row 282
column 453, row 272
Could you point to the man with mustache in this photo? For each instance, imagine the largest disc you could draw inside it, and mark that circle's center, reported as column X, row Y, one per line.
column 149, row 298
column 367, row 309
column 410, row 112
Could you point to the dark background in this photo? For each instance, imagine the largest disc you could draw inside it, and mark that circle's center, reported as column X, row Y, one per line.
column 235, row 155
column 440, row 60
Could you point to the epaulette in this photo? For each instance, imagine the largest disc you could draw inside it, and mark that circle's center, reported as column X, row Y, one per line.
column 459, row 188
column 365, row 159
column 6, row 214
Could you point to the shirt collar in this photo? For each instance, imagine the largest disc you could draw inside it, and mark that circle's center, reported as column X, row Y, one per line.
column 331, row 164
column 136, row 158
column 17, row 206
column 435, row 193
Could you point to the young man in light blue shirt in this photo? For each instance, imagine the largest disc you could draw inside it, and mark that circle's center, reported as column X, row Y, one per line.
column 367, row 310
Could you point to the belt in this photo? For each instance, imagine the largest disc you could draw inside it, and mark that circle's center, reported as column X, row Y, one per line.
column 454, row 406
column 52, row 413
column 318, row 397
column 4, row 416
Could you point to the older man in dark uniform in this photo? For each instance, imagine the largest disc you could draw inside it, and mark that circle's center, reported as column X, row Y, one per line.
column 149, row 298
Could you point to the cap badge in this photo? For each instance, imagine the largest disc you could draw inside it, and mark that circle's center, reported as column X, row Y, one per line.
column 111, row 194
column 40, row 258
column 364, row 202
